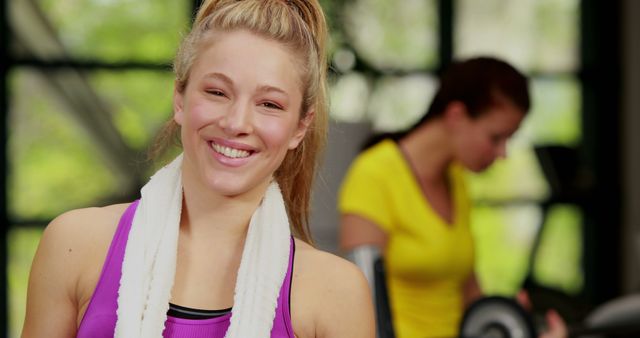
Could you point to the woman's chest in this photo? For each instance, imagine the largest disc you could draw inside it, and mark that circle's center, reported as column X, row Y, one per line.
column 426, row 253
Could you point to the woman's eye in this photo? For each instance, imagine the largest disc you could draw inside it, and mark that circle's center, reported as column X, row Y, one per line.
column 271, row 105
column 215, row 92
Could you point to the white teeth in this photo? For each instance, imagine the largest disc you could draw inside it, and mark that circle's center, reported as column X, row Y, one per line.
column 230, row 152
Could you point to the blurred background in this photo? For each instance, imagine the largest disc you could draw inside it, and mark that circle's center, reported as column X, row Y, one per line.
column 87, row 83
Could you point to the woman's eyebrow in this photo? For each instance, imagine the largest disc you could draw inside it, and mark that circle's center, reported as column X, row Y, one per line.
column 269, row 88
column 220, row 77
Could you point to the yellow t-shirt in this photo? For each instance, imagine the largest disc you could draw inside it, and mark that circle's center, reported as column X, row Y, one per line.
column 426, row 259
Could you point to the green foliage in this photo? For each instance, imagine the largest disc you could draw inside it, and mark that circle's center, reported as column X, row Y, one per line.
column 140, row 102
column 393, row 34
column 504, row 238
column 504, row 247
column 22, row 245
column 53, row 163
column 518, row 177
column 558, row 260
column 117, row 30
column 534, row 35
column 555, row 117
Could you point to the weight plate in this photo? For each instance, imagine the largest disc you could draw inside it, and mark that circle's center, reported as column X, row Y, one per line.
column 496, row 317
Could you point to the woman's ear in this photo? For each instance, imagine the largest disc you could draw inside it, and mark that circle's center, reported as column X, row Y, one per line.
column 178, row 102
column 301, row 130
column 456, row 114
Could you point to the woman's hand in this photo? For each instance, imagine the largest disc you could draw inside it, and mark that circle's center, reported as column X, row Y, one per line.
column 556, row 327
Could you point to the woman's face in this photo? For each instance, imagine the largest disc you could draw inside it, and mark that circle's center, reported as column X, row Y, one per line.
column 240, row 112
column 483, row 139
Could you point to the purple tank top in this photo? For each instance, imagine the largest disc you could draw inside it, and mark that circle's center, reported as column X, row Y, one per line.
column 99, row 320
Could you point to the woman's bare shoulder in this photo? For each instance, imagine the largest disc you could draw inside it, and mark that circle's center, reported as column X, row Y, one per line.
column 66, row 268
column 334, row 291
column 80, row 226
column 78, row 239
column 77, row 217
column 318, row 262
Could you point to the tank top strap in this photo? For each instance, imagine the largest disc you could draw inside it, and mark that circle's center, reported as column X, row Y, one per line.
column 102, row 307
column 282, row 322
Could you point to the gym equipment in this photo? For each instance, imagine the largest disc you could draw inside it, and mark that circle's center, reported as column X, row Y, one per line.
column 381, row 298
column 497, row 317
column 501, row 317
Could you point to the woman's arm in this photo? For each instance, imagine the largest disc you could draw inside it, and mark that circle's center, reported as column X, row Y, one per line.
column 471, row 291
column 358, row 231
column 51, row 296
column 348, row 309
column 362, row 242
column 331, row 298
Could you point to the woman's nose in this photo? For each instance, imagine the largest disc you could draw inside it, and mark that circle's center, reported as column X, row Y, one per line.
column 237, row 119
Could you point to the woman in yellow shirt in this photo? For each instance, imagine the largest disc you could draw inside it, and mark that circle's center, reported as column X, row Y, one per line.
column 405, row 195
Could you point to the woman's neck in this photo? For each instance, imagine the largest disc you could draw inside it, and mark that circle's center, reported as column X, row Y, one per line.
column 428, row 150
column 208, row 214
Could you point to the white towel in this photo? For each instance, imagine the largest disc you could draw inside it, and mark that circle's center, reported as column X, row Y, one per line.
column 149, row 265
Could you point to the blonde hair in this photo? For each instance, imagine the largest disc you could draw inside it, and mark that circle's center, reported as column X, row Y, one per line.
column 301, row 26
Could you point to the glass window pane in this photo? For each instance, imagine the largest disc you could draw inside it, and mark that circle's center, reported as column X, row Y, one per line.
column 22, row 244
column 393, row 34
column 503, row 240
column 399, row 101
column 333, row 10
column 49, row 153
column 115, row 30
column 140, row 102
column 349, row 96
column 555, row 117
column 518, row 177
column 559, row 258
column 542, row 35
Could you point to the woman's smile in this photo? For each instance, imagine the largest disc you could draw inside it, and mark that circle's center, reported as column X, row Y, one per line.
column 231, row 154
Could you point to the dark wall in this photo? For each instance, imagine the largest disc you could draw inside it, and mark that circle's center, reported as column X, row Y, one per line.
column 631, row 144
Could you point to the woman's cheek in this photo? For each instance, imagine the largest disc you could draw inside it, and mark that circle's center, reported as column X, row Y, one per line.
column 203, row 113
column 275, row 131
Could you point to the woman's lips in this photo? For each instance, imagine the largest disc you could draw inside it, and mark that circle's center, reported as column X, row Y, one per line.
column 230, row 152
column 233, row 156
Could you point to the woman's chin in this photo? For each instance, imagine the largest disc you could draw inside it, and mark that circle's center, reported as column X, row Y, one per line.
column 232, row 186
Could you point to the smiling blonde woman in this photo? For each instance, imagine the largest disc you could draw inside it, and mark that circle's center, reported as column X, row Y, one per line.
column 218, row 243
